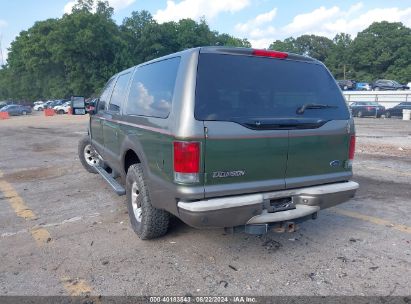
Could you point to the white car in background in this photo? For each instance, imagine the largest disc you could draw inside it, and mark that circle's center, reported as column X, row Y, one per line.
column 62, row 109
column 38, row 106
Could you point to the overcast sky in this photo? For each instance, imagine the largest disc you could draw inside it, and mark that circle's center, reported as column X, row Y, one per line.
column 261, row 21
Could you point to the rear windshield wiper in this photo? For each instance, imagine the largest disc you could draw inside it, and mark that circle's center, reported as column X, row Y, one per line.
column 306, row 106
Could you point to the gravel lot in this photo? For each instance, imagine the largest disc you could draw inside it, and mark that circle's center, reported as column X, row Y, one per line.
column 64, row 232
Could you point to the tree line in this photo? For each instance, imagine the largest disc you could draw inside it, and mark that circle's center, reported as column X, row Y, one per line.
column 383, row 50
column 77, row 53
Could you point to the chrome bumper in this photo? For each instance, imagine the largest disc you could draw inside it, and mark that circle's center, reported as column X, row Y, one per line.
column 248, row 209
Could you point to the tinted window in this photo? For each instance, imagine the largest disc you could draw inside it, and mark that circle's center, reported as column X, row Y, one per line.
column 119, row 92
column 232, row 87
column 152, row 89
column 105, row 95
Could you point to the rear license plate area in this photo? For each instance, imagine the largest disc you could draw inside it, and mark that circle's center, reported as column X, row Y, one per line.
column 279, row 204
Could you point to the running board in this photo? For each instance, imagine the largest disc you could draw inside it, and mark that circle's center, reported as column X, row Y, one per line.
column 111, row 181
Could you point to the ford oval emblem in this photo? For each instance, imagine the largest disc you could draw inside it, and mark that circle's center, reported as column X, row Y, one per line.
column 335, row 163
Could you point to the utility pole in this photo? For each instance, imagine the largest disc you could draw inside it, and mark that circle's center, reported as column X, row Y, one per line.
column 344, row 73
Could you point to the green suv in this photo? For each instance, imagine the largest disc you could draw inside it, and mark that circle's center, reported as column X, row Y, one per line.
column 223, row 137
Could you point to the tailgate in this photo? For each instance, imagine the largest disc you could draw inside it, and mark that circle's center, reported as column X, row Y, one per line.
column 317, row 156
column 270, row 123
column 240, row 160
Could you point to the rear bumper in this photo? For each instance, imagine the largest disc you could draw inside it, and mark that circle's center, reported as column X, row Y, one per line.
column 249, row 209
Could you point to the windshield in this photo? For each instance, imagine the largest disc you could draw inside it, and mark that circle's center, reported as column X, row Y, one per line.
column 233, row 88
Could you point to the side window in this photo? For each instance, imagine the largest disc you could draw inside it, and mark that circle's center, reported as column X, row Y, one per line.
column 152, row 89
column 105, row 95
column 119, row 93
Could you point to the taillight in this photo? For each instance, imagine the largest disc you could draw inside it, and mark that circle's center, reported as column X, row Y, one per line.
column 186, row 161
column 351, row 150
column 369, row 108
column 273, row 54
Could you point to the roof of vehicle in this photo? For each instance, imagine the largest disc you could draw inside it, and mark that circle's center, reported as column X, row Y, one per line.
column 230, row 50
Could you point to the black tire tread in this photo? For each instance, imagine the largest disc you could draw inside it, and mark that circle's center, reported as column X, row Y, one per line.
column 154, row 222
column 84, row 141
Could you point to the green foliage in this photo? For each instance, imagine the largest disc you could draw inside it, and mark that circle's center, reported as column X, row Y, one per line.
column 383, row 50
column 309, row 45
column 77, row 53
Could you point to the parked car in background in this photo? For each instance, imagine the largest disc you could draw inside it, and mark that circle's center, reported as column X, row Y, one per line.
column 397, row 110
column 47, row 104
column 366, row 108
column 363, row 86
column 388, row 85
column 5, row 103
column 63, row 109
column 39, row 106
column 409, row 85
column 347, row 84
column 15, row 110
column 56, row 103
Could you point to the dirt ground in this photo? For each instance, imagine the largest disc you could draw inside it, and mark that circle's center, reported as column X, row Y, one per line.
column 64, row 232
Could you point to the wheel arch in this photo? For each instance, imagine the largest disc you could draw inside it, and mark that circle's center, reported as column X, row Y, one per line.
column 130, row 158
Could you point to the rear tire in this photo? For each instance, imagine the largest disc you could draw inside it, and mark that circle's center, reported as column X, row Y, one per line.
column 359, row 114
column 387, row 115
column 60, row 112
column 87, row 155
column 24, row 113
column 147, row 222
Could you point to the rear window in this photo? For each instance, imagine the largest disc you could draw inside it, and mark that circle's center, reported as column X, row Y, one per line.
column 232, row 87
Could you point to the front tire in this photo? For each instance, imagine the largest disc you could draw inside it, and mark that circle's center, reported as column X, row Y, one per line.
column 87, row 155
column 147, row 222
column 359, row 114
column 387, row 115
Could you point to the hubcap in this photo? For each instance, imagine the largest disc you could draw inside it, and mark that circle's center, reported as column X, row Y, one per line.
column 135, row 193
column 90, row 156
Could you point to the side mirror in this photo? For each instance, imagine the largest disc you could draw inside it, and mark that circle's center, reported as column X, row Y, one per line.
column 78, row 105
column 100, row 105
column 91, row 106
